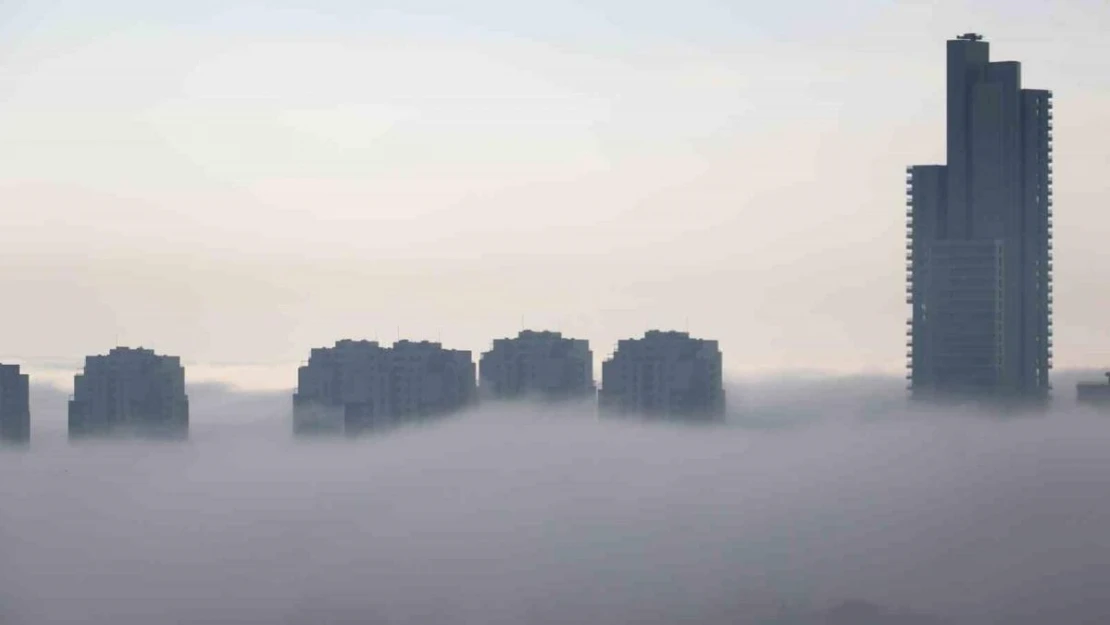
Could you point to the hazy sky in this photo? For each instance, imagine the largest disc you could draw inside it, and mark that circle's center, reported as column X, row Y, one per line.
column 236, row 182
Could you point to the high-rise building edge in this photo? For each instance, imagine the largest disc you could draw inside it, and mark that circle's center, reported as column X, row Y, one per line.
column 537, row 365
column 361, row 386
column 979, row 238
column 132, row 392
column 664, row 374
column 15, row 409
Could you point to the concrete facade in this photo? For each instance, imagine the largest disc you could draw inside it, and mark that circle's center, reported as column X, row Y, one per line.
column 979, row 238
column 129, row 392
column 664, row 374
column 359, row 386
column 15, row 408
column 540, row 365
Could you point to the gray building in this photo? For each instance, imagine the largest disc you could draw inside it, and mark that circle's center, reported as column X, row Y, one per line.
column 542, row 365
column 357, row 386
column 129, row 392
column 1094, row 393
column 15, row 409
column 664, row 374
column 979, row 238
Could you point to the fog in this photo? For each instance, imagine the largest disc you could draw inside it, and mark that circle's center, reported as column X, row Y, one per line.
column 813, row 493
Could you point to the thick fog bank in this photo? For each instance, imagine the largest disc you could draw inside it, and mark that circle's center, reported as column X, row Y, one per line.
column 813, row 492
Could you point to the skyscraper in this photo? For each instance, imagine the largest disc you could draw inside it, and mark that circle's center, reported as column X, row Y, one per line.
column 667, row 374
column 360, row 386
column 538, row 365
column 131, row 392
column 15, row 412
column 979, row 230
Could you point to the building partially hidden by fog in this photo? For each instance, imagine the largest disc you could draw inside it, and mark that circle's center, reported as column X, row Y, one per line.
column 665, row 374
column 15, row 408
column 1094, row 393
column 979, row 230
column 539, row 365
column 130, row 392
column 358, row 386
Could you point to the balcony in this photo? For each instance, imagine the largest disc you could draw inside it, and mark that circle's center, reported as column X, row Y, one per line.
column 909, row 299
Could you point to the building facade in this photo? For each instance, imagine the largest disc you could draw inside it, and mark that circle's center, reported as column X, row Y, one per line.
column 15, row 408
column 540, row 365
column 979, row 238
column 664, row 374
column 129, row 392
column 358, row 386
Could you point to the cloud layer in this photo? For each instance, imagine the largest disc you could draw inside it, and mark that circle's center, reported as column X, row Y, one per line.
column 815, row 492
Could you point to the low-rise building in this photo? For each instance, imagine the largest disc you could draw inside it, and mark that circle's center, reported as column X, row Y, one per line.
column 665, row 374
column 1094, row 393
column 357, row 386
column 15, row 409
column 130, row 392
column 541, row 365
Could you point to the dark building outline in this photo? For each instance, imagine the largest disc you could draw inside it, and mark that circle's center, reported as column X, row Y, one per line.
column 15, row 406
column 979, row 239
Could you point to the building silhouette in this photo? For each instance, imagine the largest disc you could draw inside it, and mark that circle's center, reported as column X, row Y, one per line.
column 15, row 409
column 1094, row 393
column 541, row 365
column 979, row 229
column 663, row 374
column 129, row 392
column 358, row 386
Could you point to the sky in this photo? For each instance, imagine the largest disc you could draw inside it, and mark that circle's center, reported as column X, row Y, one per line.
column 236, row 182
column 810, row 494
